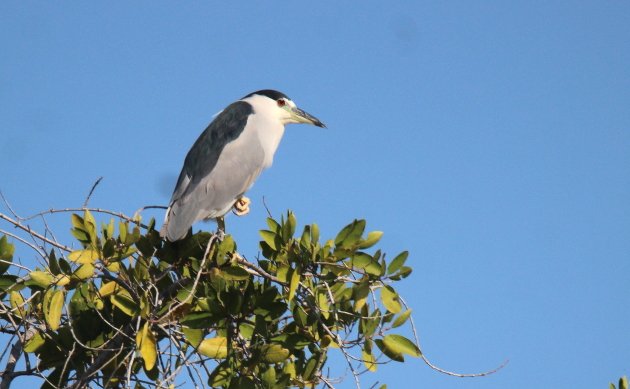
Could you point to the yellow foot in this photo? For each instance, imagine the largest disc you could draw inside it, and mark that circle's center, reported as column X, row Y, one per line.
column 241, row 206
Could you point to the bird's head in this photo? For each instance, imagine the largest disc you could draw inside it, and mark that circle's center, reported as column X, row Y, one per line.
column 278, row 105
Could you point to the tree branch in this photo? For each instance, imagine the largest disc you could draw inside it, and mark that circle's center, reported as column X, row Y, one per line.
column 33, row 233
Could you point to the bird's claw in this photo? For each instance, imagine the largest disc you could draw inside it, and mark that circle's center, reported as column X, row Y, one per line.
column 241, row 206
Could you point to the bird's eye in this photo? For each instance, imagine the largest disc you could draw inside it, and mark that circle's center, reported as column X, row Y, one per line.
column 281, row 103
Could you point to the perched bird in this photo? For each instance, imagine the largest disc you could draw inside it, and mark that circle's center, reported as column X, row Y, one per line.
column 227, row 158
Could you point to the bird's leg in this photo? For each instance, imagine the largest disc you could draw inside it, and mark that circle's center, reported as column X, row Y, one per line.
column 241, row 206
column 220, row 228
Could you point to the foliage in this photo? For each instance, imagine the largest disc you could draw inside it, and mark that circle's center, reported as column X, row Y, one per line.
column 623, row 383
column 128, row 308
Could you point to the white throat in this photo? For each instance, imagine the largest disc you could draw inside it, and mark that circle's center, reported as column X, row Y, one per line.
column 267, row 124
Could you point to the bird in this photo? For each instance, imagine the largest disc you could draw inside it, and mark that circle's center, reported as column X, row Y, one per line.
column 227, row 158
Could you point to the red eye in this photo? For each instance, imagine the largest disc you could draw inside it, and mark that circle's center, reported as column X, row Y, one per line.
column 281, row 103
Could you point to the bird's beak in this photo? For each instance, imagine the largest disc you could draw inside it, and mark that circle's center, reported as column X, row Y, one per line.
column 301, row 116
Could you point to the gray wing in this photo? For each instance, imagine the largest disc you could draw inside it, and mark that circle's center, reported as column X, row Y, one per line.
column 215, row 173
column 204, row 154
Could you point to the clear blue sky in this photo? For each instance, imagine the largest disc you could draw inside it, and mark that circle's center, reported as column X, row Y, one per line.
column 490, row 139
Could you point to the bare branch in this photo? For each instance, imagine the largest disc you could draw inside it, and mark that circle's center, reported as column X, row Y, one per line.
column 96, row 210
column 29, row 244
column 439, row 369
column 33, row 233
column 7, row 375
column 87, row 199
column 242, row 261
column 266, row 207
column 6, row 203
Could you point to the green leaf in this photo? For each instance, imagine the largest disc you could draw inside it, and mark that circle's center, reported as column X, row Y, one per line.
column 293, row 284
column 34, row 343
column 246, row 330
column 367, row 263
column 81, row 235
column 65, row 266
column 368, row 360
column 284, row 273
column 397, row 262
column 273, row 225
column 350, row 234
column 401, row 319
column 373, row 238
column 309, row 368
column 235, row 273
column 391, row 354
column 122, row 230
column 84, row 272
column 274, row 353
column 199, row 320
column 289, row 368
column 108, row 288
column 17, row 303
column 84, row 256
column 360, row 293
column 123, row 301
column 403, row 272
column 6, row 254
column 221, row 375
column 322, row 303
column 77, row 221
column 8, row 281
column 145, row 341
column 226, row 247
column 90, row 226
column 53, row 263
column 305, row 240
column 368, row 325
column 40, row 278
column 314, row 233
column 54, row 309
column 291, row 226
column 401, row 345
column 269, row 378
column 215, row 348
column 390, row 299
column 193, row 336
column 270, row 238
column 109, row 229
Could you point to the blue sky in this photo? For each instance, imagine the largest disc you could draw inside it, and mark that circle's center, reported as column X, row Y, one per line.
column 490, row 139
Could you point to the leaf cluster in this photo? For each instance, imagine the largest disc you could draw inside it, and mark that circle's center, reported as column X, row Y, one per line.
column 128, row 307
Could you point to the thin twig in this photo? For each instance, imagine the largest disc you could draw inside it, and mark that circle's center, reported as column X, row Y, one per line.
column 87, row 199
column 7, row 374
column 242, row 261
column 6, row 203
column 97, row 210
column 151, row 207
column 65, row 365
column 103, row 359
column 439, row 369
column 33, row 233
column 133, row 356
column 266, row 207
column 29, row 244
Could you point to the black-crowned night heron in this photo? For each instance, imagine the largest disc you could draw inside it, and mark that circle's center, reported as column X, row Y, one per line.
column 227, row 158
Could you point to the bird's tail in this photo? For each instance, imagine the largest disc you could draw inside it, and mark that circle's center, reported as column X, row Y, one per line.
column 177, row 222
